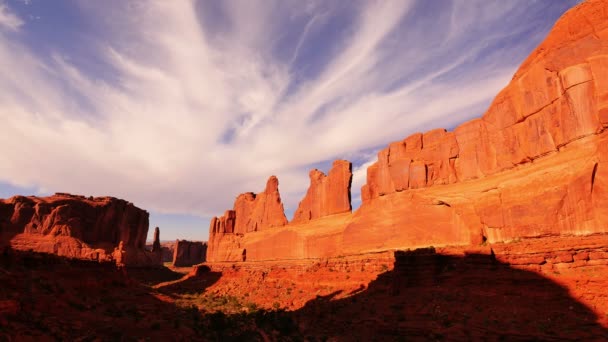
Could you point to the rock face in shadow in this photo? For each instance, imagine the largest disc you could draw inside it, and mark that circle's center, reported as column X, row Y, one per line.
column 430, row 296
column 537, row 289
column 76, row 227
column 327, row 195
column 45, row 297
column 188, row 253
column 534, row 165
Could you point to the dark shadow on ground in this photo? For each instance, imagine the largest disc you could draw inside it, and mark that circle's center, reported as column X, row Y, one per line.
column 426, row 297
column 154, row 276
column 193, row 285
column 46, row 297
column 429, row 296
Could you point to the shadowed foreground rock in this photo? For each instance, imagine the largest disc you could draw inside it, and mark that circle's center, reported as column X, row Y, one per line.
column 538, row 289
column 414, row 295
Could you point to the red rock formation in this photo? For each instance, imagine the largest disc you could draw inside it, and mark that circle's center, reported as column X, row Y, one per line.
column 251, row 213
column 534, row 165
column 327, row 195
column 256, row 212
column 74, row 226
column 188, row 253
column 553, row 106
column 418, row 161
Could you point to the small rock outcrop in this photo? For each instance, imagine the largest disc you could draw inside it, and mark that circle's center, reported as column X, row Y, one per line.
column 188, row 253
column 327, row 195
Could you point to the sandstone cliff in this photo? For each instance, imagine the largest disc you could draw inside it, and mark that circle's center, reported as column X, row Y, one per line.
column 76, row 226
column 534, row 165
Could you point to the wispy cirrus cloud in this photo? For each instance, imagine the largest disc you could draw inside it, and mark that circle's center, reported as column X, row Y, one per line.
column 8, row 20
column 181, row 105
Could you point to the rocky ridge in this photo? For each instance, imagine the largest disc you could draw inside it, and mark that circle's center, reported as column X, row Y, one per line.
column 541, row 144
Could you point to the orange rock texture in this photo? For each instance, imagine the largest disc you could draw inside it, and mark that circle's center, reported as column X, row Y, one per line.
column 534, row 165
column 98, row 228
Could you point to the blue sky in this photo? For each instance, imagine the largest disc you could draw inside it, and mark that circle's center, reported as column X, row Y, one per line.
column 179, row 106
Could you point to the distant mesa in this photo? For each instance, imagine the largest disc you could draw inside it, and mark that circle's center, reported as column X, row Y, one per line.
column 534, row 165
column 95, row 228
column 188, row 253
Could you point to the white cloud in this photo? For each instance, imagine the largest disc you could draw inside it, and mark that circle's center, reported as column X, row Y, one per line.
column 186, row 113
column 8, row 19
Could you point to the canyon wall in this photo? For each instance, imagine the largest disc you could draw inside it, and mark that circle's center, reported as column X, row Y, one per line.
column 100, row 228
column 534, row 165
